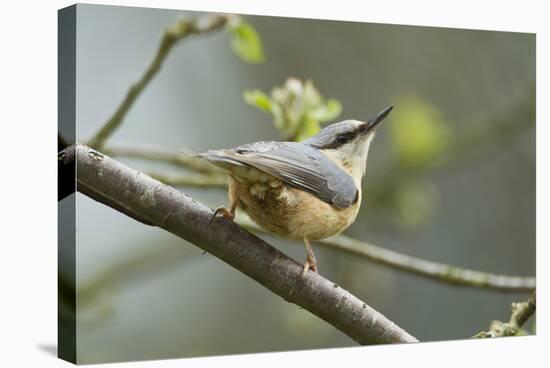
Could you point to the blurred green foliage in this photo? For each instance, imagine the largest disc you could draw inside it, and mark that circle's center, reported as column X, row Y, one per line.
column 418, row 133
column 414, row 200
column 245, row 41
column 298, row 108
column 420, row 139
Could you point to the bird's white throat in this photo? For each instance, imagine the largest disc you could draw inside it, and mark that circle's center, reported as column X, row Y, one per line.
column 352, row 156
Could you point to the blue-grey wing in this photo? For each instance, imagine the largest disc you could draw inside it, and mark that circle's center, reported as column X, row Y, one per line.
column 298, row 165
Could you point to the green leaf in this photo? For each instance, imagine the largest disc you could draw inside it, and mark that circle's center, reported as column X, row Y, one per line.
column 279, row 117
column 246, row 42
column 311, row 95
column 257, row 98
column 308, row 127
column 327, row 112
column 297, row 108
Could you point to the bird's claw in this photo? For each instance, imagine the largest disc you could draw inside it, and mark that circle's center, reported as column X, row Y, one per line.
column 224, row 212
column 309, row 266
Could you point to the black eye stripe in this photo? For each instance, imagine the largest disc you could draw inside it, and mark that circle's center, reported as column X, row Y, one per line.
column 334, row 136
column 344, row 137
column 339, row 140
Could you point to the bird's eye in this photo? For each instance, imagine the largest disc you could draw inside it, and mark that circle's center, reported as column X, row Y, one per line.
column 341, row 138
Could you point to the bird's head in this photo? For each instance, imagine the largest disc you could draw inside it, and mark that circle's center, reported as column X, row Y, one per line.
column 348, row 141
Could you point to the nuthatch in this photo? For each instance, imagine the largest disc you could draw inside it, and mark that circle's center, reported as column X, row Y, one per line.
column 306, row 190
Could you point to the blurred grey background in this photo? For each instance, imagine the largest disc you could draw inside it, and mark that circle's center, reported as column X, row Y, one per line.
column 145, row 294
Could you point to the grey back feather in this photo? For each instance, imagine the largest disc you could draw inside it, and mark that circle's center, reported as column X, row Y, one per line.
column 298, row 165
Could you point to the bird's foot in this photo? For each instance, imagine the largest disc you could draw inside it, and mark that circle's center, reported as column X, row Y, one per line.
column 308, row 265
column 311, row 262
column 224, row 212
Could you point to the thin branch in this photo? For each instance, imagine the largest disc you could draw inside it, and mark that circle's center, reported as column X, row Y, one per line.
column 521, row 312
column 146, row 198
column 176, row 158
column 432, row 270
column 180, row 30
column 191, row 179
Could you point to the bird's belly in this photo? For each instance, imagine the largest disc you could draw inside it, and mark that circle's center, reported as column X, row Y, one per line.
column 291, row 212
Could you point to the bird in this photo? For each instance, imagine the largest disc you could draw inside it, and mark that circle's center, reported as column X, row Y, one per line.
column 308, row 190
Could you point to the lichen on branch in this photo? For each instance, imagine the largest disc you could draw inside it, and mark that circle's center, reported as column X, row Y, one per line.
column 521, row 312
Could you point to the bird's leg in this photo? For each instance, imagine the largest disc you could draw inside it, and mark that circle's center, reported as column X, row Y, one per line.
column 233, row 202
column 311, row 263
column 227, row 213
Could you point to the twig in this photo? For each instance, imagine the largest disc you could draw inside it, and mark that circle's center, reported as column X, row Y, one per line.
column 428, row 269
column 191, row 179
column 180, row 30
column 521, row 312
column 161, row 155
column 146, row 198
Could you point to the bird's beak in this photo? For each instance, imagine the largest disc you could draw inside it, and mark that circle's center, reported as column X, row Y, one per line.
column 373, row 122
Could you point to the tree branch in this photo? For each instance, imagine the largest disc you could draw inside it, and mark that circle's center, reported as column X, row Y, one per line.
column 432, row 270
column 521, row 312
column 180, row 30
column 191, row 179
column 149, row 200
column 179, row 159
